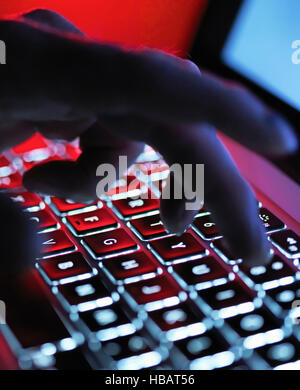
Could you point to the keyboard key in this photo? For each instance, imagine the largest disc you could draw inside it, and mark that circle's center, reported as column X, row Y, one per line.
column 200, row 273
column 227, row 297
column 287, row 242
column 270, row 275
column 6, row 168
column 37, row 141
column 132, row 206
column 174, row 249
column 157, row 170
column 208, row 344
column 65, row 266
column 222, row 250
column 12, row 181
column 270, row 222
column 156, row 289
column 125, row 347
column 44, row 219
column 148, row 227
column 250, row 324
column 284, row 296
column 71, row 360
column 55, row 242
column 281, row 352
column 178, row 321
column 108, row 323
column 91, row 221
column 4, row 163
column 133, row 353
column 85, row 294
column 109, row 243
column 125, row 187
column 127, row 267
column 206, row 227
column 25, row 199
column 62, row 207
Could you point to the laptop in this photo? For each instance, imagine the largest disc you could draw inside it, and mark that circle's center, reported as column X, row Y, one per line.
column 113, row 290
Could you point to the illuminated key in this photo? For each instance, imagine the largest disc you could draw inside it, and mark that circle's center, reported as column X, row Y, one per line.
column 65, row 266
column 126, row 267
column 267, row 275
column 26, row 199
column 172, row 249
column 270, row 221
column 109, row 243
column 91, row 221
column 250, row 324
column 199, row 272
column 207, row 345
column 44, row 220
column 77, row 294
column 281, row 353
column 226, row 297
column 183, row 316
column 151, row 290
column 288, row 242
column 206, row 227
column 55, row 242
column 132, row 206
column 149, row 227
column 63, row 206
column 108, row 323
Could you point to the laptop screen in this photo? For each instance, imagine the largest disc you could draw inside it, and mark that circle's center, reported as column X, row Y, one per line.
column 264, row 46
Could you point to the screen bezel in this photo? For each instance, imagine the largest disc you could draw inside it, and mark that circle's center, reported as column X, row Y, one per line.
column 206, row 51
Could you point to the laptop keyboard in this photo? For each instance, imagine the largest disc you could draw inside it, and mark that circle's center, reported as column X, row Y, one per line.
column 116, row 291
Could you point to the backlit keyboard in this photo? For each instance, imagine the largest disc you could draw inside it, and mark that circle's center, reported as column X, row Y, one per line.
column 115, row 290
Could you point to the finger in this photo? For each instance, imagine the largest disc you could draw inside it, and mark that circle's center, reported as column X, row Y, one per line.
column 78, row 180
column 51, row 19
column 227, row 195
column 85, row 77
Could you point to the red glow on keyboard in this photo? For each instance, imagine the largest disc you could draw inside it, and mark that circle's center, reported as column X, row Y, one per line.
column 37, row 141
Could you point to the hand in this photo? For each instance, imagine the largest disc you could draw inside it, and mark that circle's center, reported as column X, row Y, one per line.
column 66, row 85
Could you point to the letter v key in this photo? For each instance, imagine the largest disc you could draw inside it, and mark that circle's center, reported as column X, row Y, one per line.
column 56, row 241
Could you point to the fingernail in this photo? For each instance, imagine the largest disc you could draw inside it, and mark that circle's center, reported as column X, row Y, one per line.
column 178, row 234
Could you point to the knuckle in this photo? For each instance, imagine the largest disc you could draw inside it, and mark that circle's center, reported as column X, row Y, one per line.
column 39, row 13
column 53, row 19
column 239, row 95
column 190, row 65
column 246, row 192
